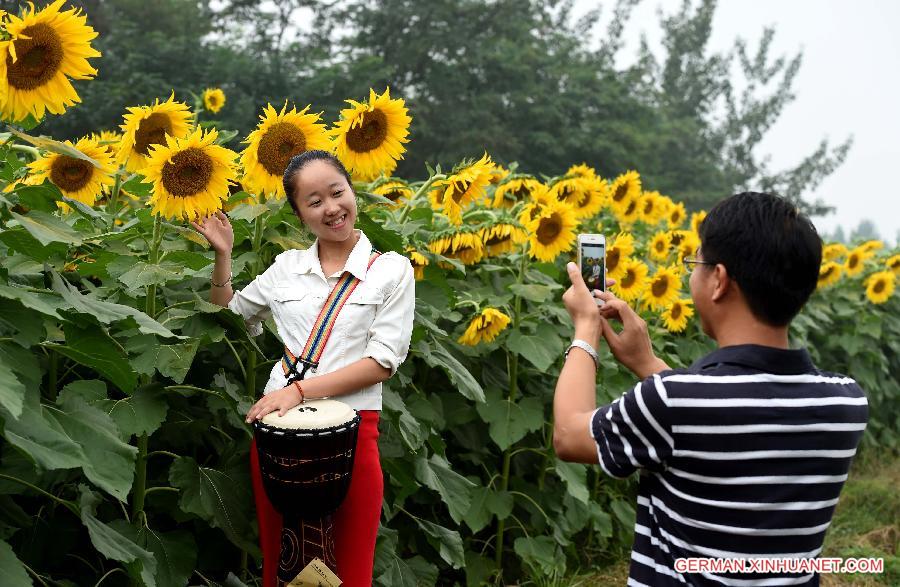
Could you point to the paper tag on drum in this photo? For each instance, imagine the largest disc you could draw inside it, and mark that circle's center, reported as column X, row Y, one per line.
column 316, row 574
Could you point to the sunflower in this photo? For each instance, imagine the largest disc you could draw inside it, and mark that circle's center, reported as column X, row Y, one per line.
column 498, row 174
column 880, row 286
column 108, row 139
column 514, row 190
column 552, row 232
column 689, row 244
column 651, row 207
column 76, row 178
column 856, row 258
column 150, row 125
column 829, row 273
column 675, row 316
column 44, row 49
column 834, row 251
column 871, row 246
column 502, row 238
column 395, row 190
column 190, row 176
column 626, row 186
column 696, row 219
column 465, row 185
column 369, row 137
column 664, row 287
column 660, row 246
column 617, row 252
column 464, row 245
column 676, row 215
column 629, row 212
column 418, row 261
column 485, row 327
column 583, row 171
column 893, row 263
column 586, row 195
column 633, row 280
column 213, row 99
column 278, row 137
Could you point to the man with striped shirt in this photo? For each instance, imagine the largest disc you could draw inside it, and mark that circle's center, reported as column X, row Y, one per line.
column 744, row 453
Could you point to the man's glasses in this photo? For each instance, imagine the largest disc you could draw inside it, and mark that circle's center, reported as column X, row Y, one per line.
column 689, row 263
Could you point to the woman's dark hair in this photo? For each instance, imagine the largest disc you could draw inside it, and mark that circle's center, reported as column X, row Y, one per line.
column 298, row 162
column 770, row 248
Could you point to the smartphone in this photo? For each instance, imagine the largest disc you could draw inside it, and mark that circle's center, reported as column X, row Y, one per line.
column 592, row 261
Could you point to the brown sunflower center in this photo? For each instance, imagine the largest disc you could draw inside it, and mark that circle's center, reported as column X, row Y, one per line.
column 660, row 286
column 660, row 246
column 676, row 312
column 620, row 192
column 458, row 190
column 853, row 261
column 629, row 279
column 648, row 207
column 535, row 211
column 677, row 238
column 38, row 60
column 187, row 172
column 675, row 217
column 70, row 174
column 395, row 195
column 564, row 193
column 521, row 193
column 370, row 134
column 152, row 131
column 213, row 100
column 878, row 287
column 612, row 259
column 549, row 229
column 632, row 207
column 827, row 273
column 281, row 142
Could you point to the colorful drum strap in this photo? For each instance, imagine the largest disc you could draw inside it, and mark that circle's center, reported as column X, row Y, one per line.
column 321, row 330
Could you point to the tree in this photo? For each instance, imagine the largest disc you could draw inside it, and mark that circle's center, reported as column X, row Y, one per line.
column 864, row 231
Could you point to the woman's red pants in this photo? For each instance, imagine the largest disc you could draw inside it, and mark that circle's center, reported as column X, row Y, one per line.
column 355, row 522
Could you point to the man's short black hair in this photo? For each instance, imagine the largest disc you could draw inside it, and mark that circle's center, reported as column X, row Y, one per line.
column 770, row 248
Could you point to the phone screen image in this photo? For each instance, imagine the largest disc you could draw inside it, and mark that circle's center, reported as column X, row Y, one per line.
column 592, row 259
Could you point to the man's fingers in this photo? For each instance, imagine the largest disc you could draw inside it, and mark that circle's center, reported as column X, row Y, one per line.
column 575, row 275
column 610, row 282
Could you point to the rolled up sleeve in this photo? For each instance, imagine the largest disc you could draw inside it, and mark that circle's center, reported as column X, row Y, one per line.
column 252, row 303
column 391, row 330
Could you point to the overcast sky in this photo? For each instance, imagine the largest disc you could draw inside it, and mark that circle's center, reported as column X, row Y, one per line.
column 848, row 84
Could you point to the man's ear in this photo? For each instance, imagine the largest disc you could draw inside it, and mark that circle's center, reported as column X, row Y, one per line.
column 723, row 282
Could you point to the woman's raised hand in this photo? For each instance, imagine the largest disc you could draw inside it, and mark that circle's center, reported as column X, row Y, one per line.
column 217, row 231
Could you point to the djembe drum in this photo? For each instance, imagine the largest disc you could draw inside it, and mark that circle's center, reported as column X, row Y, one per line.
column 306, row 459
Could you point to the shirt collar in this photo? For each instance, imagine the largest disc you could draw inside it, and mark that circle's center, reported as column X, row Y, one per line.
column 357, row 263
column 762, row 358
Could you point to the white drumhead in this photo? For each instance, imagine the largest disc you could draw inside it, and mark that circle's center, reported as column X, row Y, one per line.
column 314, row 414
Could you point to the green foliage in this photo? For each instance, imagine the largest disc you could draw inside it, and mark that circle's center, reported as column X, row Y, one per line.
column 692, row 119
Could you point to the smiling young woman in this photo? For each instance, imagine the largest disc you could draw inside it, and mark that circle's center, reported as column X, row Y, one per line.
column 370, row 340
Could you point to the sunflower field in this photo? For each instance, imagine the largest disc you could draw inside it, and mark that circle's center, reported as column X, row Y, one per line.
column 124, row 454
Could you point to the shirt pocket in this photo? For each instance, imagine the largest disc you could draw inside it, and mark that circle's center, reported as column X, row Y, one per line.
column 358, row 313
column 296, row 310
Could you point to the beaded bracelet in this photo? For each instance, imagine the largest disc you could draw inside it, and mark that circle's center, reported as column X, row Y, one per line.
column 300, row 389
column 227, row 281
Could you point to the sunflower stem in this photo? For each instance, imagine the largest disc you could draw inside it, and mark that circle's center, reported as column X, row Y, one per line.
column 404, row 214
column 139, row 490
column 512, row 361
column 114, row 202
column 26, row 149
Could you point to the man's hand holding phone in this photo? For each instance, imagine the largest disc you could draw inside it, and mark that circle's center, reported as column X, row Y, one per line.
column 631, row 346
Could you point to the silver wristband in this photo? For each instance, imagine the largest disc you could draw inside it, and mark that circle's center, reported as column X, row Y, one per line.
column 586, row 347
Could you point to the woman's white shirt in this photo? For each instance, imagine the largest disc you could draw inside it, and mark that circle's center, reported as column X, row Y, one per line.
column 375, row 322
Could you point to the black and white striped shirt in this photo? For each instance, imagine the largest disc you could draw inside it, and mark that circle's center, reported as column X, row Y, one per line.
column 742, row 456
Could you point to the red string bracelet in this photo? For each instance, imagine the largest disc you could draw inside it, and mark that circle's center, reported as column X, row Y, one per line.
column 300, row 389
